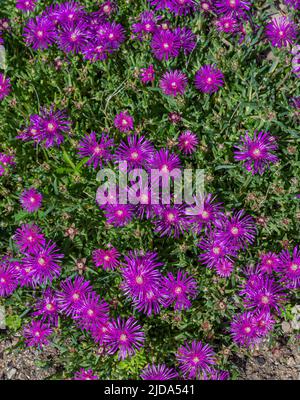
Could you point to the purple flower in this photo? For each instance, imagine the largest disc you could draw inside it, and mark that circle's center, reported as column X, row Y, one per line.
column 264, row 323
column 237, row 231
column 194, row 358
column 227, row 24
column 187, row 142
column 293, row 3
column 234, row 7
column 173, row 83
column 50, row 126
column 289, row 268
column 39, row 33
column 98, row 332
column 91, row 311
column 47, row 307
column 165, row 44
column 187, row 38
column 73, row 37
column 108, row 7
column 124, row 122
column 214, row 252
column 244, row 330
column 118, row 214
column 29, row 238
column 136, row 151
column 96, row 50
column 159, row 4
column 256, row 153
column 179, row 289
column 166, row 164
column 7, row 160
column 159, row 372
column 147, row 24
column 5, row 87
column 72, row 294
column 37, row 334
column 26, row 5
column 206, row 6
column 281, row 32
column 209, row 79
column 68, row 12
column 8, row 278
column 44, row 263
column 182, row 7
column 148, row 303
column 85, row 375
column 204, row 213
column 111, row 33
column 106, row 259
column 224, row 268
column 171, row 220
column 97, row 151
column 4, row 24
column 125, row 336
column 269, row 262
column 31, row 200
column 147, row 74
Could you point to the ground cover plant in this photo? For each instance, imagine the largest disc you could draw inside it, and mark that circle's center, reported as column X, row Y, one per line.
column 149, row 291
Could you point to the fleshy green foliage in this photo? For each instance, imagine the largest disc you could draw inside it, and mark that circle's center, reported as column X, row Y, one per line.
column 257, row 92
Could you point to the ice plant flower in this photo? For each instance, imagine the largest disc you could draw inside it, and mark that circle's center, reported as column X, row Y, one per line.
column 73, row 37
column 179, row 290
column 289, row 268
column 173, row 83
column 194, row 358
column 106, row 259
column 92, row 311
column 257, row 153
column 29, row 238
column 146, row 25
column 159, row 4
column 224, row 268
column 159, row 372
column 45, row 263
column 31, row 200
column 182, row 7
column 237, row 8
column 8, row 278
column 147, row 74
column 71, row 294
column 26, row 5
column 119, row 215
column 244, row 330
column 124, row 122
column 5, row 87
column 37, row 334
column 187, row 142
column 227, row 24
column 39, row 33
column 47, row 307
column 269, row 262
column 187, row 38
column 165, row 44
column 98, row 332
column 167, row 165
column 293, row 3
column 281, row 32
column 209, row 79
column 98, row 151
column 85, row 375
column 171, row 220
column 125, row 337
column 136, row 151
column 214, row 252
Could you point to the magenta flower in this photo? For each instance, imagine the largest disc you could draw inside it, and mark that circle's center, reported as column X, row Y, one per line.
column 269, row 262
column 149, row 303
column 187, row 38
column 167, row 164
column 47, row 307
column 73, row 37
column 206, row 6
column 51, row 126
column 91, row 311
column 31, row 200
column 96, row 50
column 173, row 83
column 194, row 358
column 264, row 323
column 237, row 231
column 40, row 33
column 29, row 238
column 124, row 122
column 146, row 25
column 106, row 259
column 293, row 3
column 214, row 252
column 72, row 294
column 8, row 278
column 136, row 151
column 212, row 374
column 171, row 221
column 187, row 142
column 97, row 151
column 26, row 5
column 5, row 87
column 119, row 215
column 159, row 4
column 182, row 7
column 257, row 153
column 281, row 32
column 44, row 263
column 179, row 290
column 68, row 12
column 111, row 33
column 98, row 332
column 204, row 213
column 165, row 44
column 289, row 268
column 209, row 79
column 7, row 160
column 224, row 268
column 159, row 372
column 124, row 336
column 234, row 7
column 108, row 7
column 244, row 330
column 147, row 74
column 227, row 24
column 36, row 334
column 85, row 375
